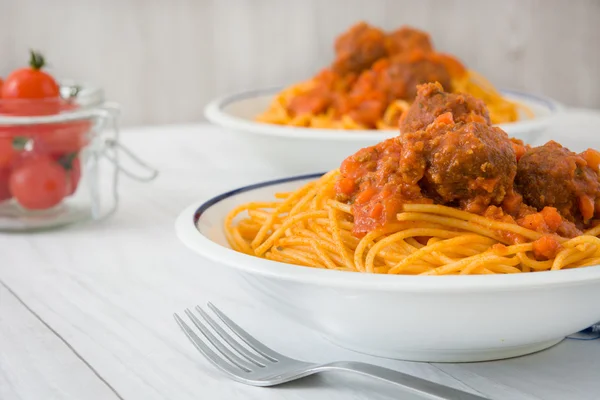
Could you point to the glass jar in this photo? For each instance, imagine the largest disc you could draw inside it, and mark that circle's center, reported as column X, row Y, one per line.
column 59, row 160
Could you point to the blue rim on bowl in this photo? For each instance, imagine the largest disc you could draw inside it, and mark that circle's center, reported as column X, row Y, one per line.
column 217, row 113
column 189, row 233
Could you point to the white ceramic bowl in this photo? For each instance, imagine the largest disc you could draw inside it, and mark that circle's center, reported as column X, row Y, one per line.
column 297, row 150
column 421, row 318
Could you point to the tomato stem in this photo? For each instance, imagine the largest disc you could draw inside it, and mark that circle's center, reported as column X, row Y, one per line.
column 19, row 143
column 37, row 60
column 67, row 161
column 74, row 91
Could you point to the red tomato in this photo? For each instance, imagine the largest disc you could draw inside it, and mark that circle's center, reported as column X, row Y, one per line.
column 57, row 138
column 9, row 149
column 68, row 137
column 38, row 183
column 4, row 190
column 34, row 91
column 7, row 152
column 30, row 82
column 0, row 85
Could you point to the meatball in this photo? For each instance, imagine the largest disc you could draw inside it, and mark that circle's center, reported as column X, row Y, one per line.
column 407, row 39
column 432, row 101
column 401, row 74
column 471, row 165
column 358, row 48
column 388, row 80
column 554, row 176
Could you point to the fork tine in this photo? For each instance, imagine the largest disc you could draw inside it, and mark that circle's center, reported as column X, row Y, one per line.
column 212, row 339
column 204, row 349
column 257, row 346
column 235, row 344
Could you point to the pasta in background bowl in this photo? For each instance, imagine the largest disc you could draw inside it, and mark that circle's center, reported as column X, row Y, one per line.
column 298, row 150
column 373, row 79
column 360, row 98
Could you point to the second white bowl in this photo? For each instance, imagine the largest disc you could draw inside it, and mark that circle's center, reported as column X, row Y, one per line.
column 298, row 150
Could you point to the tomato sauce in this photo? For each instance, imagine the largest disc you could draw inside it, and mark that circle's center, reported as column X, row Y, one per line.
column 377, row 181
column 460, row 160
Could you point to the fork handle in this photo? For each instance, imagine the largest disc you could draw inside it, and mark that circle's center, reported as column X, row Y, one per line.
column 411, row 383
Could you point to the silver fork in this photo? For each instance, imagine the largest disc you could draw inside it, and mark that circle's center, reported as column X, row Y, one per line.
column 258, row 365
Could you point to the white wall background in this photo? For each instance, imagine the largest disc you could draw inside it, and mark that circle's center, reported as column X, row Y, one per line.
column 163, row 60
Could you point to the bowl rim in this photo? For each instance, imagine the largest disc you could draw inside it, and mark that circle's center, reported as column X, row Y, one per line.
column 190, row 235
column 216, row 114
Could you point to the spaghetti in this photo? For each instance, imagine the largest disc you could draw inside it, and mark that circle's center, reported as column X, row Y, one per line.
column 309, row 227
column 371, row 84
column 451, row 194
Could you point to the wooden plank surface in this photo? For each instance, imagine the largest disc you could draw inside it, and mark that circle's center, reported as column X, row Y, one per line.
column 109, row 290
column 164, row 60
column 37, row 363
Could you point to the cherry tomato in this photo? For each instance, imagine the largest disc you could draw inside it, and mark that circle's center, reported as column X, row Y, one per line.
column 33, row 91
column 1, row 85
column 7, row 152
column 38, row 183
column 65, row 137
column 10, row 146
column 4, row 190
column 30, row 82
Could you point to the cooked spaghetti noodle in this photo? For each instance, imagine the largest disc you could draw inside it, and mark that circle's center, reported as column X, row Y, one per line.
column 310, row 227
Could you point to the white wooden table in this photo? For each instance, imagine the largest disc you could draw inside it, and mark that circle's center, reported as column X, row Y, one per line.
column 86, row 312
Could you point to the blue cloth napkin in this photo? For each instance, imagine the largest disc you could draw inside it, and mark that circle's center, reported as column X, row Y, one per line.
column 592, row 329
column 591, row 333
